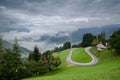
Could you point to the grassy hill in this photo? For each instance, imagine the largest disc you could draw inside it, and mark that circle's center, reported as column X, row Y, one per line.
column 79, row 55
column 108, row 68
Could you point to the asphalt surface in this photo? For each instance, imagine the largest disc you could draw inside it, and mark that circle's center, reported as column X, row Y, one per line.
column 73, row 63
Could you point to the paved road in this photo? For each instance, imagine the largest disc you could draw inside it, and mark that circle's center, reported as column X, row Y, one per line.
column 72, row 63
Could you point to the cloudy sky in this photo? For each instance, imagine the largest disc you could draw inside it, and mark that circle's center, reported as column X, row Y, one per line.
column 28, row 20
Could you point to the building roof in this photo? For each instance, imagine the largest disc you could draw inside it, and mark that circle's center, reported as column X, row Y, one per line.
column 100, row 45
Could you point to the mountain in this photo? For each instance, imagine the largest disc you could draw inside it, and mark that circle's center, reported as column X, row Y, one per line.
column 9, row 45
column 108, row 29
column 76, row 36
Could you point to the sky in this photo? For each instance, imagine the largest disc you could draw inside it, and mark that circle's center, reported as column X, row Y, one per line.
column 29, row 20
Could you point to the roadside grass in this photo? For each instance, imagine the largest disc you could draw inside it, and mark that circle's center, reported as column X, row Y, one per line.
column 108, row 68
column 79, row 55
column 62, row 55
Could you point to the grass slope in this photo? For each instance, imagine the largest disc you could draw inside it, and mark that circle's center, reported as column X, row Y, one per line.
column 79, row 55
column 107, row 69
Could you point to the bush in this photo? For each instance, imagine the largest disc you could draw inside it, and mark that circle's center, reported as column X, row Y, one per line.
column 115, row 41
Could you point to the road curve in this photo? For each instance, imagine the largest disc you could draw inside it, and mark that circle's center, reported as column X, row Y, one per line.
column 72, row 63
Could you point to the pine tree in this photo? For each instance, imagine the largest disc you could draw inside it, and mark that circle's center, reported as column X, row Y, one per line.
column 101, row 37
column 1, row 44
column 35, row 55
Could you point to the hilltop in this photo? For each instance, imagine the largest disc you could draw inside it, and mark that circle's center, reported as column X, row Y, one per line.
column 106, row 69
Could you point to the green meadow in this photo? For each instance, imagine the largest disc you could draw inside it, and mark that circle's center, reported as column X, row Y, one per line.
column 108, row 67
column 79, row 55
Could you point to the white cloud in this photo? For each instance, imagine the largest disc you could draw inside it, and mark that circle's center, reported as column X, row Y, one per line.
column 63, row 35
column 44, row 21
column 41, row 45
column 49, row 18
column 2, row 7
column 47, row 25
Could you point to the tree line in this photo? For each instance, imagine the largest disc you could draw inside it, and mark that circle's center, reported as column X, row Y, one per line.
column 88, row 40
column 65, row 46
column 12, row 67
column 113, row 42
column 92, row 40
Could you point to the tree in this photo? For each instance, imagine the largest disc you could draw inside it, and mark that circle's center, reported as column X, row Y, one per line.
column 16, row 50
column 1, row 49
column 57, row 61
column 75, row 46
column 115, row 41
column 30, row 57
column 56, row 49
column 95, row 42
column 32, row 66
column 35, row 55
column 101, row 37
column 47, row 62
column 10, row 64
column 66, row 45
column 1, row 44
column 11, row 67
column 87, row 39
column 50, row 62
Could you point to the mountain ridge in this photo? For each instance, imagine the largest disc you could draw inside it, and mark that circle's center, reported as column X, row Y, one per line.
column 77, row 35
column 9, row 45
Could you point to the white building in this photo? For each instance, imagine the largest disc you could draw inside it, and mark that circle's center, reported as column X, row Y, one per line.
column 100, row 46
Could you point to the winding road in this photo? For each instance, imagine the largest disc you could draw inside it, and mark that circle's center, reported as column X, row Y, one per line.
column 72, row 63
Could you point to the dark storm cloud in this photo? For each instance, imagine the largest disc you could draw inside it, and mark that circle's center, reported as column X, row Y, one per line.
column 65, row 7
column 15, row 13
column 33, row 6
column 49, row 17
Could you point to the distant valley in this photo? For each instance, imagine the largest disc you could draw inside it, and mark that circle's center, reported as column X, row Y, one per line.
column 9, row 45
